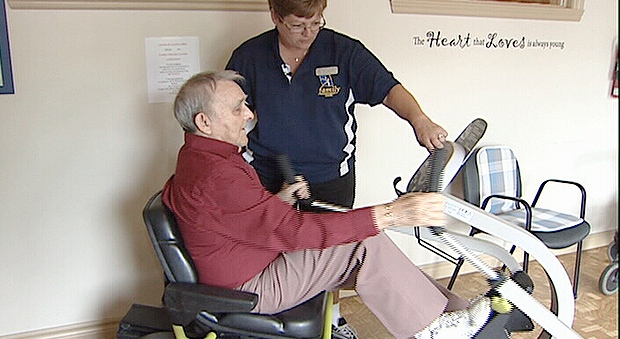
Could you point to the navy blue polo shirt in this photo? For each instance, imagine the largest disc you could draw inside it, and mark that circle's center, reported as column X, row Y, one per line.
column 311, row 116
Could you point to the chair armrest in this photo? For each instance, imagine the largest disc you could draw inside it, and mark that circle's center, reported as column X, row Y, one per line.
column 582, row 212
column 526, row 206
column 185, row 300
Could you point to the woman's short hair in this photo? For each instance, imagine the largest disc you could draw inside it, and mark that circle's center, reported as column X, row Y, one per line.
column 300, row 8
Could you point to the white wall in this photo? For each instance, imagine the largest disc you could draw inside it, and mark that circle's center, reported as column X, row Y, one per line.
column 81, row 150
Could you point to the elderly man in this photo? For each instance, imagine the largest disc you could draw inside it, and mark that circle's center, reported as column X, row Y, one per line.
column 243, row 237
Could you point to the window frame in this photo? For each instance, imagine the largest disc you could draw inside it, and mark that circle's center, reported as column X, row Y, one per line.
column 561, row 10
column 226, row 5
column 6, row 71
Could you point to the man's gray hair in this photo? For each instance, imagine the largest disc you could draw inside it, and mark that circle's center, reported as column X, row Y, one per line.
column 196, row 95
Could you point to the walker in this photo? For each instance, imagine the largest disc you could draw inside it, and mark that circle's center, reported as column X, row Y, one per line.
column 608, row 283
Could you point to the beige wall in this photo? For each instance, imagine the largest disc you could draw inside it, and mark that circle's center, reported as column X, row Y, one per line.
column 81, row 150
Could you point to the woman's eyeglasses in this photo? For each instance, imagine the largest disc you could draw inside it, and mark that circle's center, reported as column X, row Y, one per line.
column 300, row 28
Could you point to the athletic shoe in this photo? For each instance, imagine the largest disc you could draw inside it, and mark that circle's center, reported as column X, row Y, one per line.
column 343, row 330
column 459, row 324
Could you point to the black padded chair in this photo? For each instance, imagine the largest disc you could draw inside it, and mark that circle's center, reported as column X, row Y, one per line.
column 492, row 180
column 198, row 310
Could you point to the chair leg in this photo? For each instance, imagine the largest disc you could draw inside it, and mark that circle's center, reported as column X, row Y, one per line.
column 512, row 251
column 455, row 273
column 460, row 263
column 526, row 258
column 577, row 268
column 526, row 261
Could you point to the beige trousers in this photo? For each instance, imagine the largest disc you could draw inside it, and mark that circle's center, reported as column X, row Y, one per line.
column 400, row 295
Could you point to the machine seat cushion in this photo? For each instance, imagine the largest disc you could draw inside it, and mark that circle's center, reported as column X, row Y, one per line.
column 303, row 321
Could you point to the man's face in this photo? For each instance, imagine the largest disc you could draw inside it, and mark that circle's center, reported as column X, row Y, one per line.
column 231, row 114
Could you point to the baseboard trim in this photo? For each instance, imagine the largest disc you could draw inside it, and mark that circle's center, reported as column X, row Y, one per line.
column 108, row 328
column 88, row 330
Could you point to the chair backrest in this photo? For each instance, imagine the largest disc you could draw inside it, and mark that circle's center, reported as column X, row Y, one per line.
column 164, row 233
column 492, row 170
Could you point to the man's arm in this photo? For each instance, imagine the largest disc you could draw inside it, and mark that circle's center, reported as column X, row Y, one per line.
column 428, row 133
column 411, row 209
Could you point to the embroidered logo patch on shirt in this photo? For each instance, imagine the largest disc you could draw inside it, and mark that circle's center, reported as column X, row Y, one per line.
column 327, row 89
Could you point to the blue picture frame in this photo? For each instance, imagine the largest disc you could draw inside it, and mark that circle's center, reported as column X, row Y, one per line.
column 6, row 72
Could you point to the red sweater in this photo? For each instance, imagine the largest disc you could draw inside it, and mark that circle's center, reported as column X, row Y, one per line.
column 232, row 227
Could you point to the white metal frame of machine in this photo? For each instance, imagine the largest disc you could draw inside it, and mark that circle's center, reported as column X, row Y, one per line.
column 559, row 326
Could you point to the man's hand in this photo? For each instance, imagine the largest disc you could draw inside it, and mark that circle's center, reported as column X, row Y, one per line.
column 290, row 193
column 412, row 209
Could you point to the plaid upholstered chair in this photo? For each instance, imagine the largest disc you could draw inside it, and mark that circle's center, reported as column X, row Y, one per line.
column 492, row 181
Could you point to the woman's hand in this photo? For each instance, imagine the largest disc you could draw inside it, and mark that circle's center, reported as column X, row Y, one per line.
column 429, row 134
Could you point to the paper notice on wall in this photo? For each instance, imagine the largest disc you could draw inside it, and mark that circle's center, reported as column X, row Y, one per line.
column 169, row 62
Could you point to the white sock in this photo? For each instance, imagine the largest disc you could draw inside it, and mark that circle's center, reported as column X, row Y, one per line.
column 336, row 314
